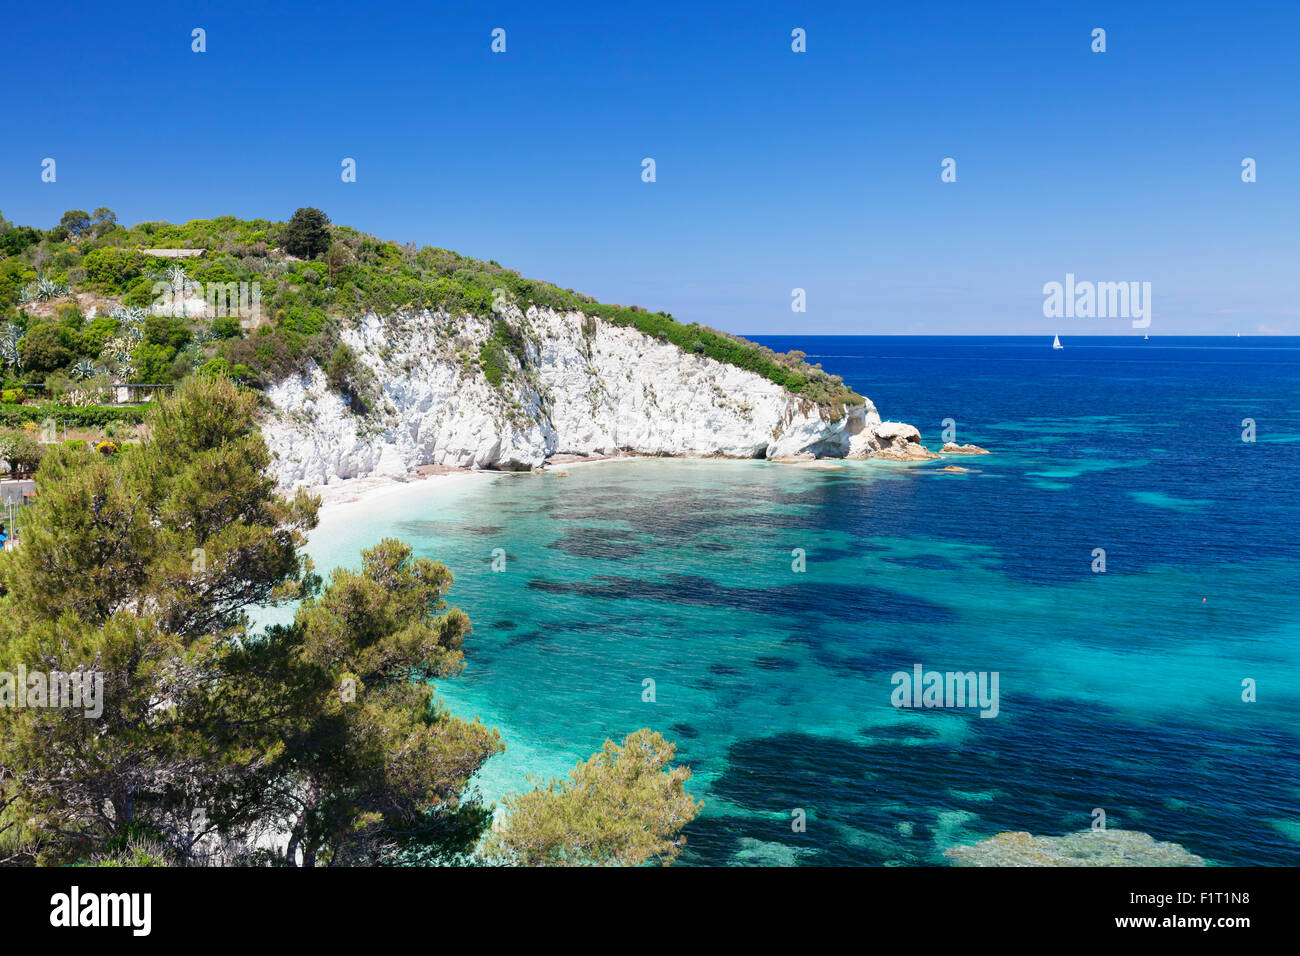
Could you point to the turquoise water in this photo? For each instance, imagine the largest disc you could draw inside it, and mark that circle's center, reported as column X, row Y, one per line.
column 1119, row 690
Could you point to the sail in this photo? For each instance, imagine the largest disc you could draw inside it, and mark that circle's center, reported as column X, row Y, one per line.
column 1056, row 342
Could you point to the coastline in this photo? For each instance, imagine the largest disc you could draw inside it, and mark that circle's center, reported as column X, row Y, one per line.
column 343, row 497
column 338, row 496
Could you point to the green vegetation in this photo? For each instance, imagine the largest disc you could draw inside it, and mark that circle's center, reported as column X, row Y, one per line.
column 583, row 821
column 21, row 451
column 505, row 339
column 308, row 234
column 310, row 275
column 96, row 416
column 143, row 567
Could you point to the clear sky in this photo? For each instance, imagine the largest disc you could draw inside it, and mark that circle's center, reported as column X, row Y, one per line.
column 775, row 169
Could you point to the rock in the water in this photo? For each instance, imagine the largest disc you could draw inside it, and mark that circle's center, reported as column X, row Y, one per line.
column 1085, row 848
column 952, row 448
column 894, row 440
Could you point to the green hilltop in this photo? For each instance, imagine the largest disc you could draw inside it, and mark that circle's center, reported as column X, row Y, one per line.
column 313, row 276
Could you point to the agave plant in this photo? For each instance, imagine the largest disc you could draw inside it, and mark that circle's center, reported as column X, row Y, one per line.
column 131, row 319
column 117, row 353
column 44, row 289
column 129, row 314
column 84, row 369
column 9, row 345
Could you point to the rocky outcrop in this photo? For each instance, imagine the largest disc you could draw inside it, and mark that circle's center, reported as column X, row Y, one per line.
column 952, row 448
column 1086, row 848
column 895, row 440
column 579, row 387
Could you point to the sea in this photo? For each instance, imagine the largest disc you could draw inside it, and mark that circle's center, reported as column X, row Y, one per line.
column 1126, row 561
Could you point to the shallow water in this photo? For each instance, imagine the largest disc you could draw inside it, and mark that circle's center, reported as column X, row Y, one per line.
column 1118, row 690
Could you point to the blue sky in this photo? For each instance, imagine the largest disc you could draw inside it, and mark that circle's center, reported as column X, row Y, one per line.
column 775, row 169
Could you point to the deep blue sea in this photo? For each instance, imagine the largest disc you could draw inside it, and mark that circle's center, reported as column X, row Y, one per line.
column 1120, row 690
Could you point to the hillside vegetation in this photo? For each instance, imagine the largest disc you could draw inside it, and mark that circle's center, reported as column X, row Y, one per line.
column 77, row 305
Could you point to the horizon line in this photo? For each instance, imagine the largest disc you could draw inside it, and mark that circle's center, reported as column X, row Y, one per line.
column 1030, row 335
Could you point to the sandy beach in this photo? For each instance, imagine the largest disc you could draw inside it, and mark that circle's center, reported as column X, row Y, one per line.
column 341, row 497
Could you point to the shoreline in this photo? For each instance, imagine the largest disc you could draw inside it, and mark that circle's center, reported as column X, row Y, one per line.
column 342, row 496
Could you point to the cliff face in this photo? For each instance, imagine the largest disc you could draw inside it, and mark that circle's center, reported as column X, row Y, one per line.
column 583, row 387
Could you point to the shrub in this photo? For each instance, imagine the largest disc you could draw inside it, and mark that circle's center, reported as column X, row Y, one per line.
column 341, row 366
column 153, row 363
column 166, row 330
column 47, row 347
column 226, row 327
column 87, row 416
column 112, row 269
column 21, row 451
column 214, row 368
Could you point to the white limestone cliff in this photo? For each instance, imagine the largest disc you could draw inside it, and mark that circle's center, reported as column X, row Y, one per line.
column 585, row 387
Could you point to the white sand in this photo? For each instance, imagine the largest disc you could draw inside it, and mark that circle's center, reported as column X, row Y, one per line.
column 345, row 497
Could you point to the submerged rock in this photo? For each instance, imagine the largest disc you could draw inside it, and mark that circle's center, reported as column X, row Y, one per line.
column 952, row 448
column 1085, row 848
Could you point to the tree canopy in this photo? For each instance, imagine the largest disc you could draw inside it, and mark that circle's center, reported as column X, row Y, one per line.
column 622, row 807
column 317, row 740
column 308, row 233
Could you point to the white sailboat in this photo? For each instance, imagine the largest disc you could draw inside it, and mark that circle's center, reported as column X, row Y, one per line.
column 1145, row 337
column 1056, row 342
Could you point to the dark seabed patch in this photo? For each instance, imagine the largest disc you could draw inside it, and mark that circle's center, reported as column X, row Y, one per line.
column 529, row 637
column 1044, row 775
column 880, row 662
column 929, row 562
column 838, row 601
column 607, row 543
column 431, row 529
column 896, row 732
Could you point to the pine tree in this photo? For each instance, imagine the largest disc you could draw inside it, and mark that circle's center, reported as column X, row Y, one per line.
column 308, row 233
column 622, row 807
column 324, row 734
column 141, row 567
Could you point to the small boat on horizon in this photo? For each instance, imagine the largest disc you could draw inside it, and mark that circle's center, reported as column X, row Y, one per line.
column 1056, row 342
